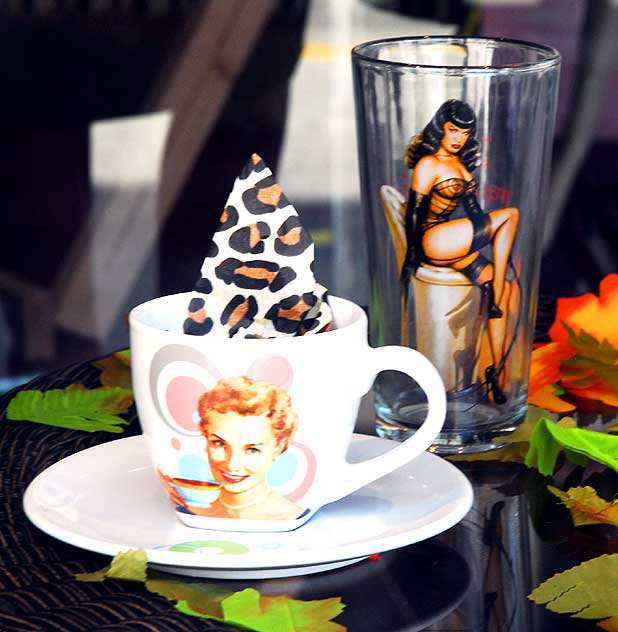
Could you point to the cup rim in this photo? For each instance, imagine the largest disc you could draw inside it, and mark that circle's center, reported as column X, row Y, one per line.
column 356, row 317
column 551, row 56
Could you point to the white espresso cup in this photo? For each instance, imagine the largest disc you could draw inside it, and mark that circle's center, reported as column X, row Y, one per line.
column 252, row 434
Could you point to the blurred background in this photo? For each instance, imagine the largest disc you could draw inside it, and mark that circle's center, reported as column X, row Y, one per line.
column 125, row 122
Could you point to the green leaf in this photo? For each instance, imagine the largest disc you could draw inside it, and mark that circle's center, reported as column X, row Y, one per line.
column 73, row 408
column 203, row 610
column 281, row 614
column 587, row 591
column 129, row 565
column 575, row 457
column 549, row 439
column 245, row 608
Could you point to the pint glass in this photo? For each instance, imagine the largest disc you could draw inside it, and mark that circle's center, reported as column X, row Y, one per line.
column 455, row 140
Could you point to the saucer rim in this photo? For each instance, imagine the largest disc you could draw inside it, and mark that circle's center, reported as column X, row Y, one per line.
column 459, row 507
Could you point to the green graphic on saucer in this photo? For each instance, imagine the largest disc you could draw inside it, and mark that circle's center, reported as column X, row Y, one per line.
column 222, row 547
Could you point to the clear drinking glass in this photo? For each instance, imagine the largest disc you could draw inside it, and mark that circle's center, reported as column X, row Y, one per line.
column 454, row 140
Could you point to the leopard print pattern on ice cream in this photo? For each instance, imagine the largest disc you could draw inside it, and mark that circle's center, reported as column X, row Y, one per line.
column 257, row 278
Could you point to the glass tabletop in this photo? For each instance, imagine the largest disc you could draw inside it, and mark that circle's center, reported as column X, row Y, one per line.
column 476, row 575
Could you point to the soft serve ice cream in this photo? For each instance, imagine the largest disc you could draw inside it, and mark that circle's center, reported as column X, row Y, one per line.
column 257, row 277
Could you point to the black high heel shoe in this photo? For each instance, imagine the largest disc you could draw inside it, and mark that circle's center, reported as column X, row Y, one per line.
column 488, row 299
column 491, row 379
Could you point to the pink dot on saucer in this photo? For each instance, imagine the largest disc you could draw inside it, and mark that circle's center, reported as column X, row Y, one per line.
column 273, row 369
column 175, row 443
column 182, row 395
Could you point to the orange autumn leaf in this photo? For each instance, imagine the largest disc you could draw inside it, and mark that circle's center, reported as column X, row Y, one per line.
column 582, row 358
column 589, row 312
column 586, row 506
column 547, row 399
column 545, row 364
column 115, row 370
column 573, row 376
column 584, row 382
column 545, row 372
column 599, row 391
column 609, row 625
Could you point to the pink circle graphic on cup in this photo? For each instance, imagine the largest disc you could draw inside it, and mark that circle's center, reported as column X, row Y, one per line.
column 181, row 397
column 272, row 368
column 310, row 465
column 293, row 473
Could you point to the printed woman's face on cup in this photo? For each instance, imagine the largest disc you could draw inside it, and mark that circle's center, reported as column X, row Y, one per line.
column 454, row 138
column 247, row 425
column 240, row 449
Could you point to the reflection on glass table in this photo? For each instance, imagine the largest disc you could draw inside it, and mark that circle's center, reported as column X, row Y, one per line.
column 476, row 575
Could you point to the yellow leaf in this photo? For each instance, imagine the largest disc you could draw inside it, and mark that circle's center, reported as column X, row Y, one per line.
column 203, row 599
column 586, row 507
column 97, row 576
column 129, row 565
column 587, row 591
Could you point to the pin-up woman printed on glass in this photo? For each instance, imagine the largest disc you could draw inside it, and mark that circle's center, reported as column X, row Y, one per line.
column 477, row 244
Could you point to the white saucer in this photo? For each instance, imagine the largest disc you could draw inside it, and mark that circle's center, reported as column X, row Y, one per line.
column 108, row 499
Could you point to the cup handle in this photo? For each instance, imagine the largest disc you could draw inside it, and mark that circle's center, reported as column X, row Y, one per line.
column 356, row 475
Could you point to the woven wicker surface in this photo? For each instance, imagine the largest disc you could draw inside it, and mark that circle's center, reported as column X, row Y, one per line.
column 38, row 589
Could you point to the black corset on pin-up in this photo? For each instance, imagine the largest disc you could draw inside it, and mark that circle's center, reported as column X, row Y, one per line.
column 436, row 208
